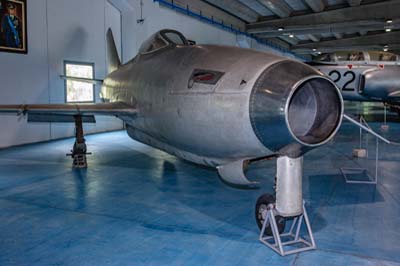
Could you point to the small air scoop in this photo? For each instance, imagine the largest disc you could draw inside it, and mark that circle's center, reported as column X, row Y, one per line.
column 314, row 111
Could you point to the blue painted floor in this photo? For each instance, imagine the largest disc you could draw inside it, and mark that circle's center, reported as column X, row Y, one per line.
column 135, row 205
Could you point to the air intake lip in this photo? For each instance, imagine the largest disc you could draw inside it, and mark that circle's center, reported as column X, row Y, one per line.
column 314, row 110
column 286, row 108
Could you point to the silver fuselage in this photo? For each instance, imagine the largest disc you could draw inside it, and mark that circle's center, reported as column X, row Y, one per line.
column 203, row 123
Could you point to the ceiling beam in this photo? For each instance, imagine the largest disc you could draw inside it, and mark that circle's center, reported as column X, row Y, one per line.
column 236, row 8
column 290, row 40
column 256, row 6
column 380, row 11
column 354, row 2
column 357, row 3
column 207, row 10
column 313, row 38
column 315, row 5
column 339, row 27
column 338, row 35
column 377, row 41
column 282, row 10
column 279, row 42
column 278, row 7
column 394, row 47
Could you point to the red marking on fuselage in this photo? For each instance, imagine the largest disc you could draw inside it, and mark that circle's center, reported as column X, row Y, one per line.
column 204, row 77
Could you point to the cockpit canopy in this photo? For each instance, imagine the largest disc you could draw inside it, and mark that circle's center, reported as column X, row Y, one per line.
column 362, row 56
column 162, row 39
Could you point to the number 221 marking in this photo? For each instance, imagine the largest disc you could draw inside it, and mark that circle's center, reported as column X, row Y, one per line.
column 339, row 77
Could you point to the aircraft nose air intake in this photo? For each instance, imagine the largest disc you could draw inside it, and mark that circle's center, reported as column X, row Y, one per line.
column 314, row 111
column 293, row 108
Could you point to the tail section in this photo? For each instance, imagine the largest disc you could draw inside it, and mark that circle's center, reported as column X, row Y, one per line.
column 113, row 61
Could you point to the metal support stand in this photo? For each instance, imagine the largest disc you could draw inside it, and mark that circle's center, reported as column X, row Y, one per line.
column 349, row 173
column 385, row 126
column 79, row 151
column 294, row 243
column 361, row 152
column 373, row 180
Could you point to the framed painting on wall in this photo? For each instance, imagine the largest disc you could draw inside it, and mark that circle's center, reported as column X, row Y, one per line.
column 13, row 28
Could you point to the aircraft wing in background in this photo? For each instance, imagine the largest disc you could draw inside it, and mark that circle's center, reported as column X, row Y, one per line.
column 66, row 112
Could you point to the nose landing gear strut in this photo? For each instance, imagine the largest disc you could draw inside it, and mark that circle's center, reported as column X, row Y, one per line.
column 272, row 215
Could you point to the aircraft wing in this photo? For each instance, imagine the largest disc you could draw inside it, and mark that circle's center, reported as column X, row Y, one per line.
column 55, row 112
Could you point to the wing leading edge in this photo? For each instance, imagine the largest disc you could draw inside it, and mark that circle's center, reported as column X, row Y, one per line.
column 113, row 109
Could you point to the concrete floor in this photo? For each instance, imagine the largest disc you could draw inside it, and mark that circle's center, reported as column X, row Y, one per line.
column 135, row 205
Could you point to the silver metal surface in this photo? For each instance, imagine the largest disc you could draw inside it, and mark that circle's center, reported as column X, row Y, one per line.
column 233, row 173
column 211, row 121
column 289, row 192
column 294, row 108
column 383, row 84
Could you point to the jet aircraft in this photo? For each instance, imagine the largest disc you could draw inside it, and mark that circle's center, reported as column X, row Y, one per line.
column 219, row 106
column 364, row 76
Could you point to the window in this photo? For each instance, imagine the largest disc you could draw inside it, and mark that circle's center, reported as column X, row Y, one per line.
column 325, row 58
column 350, row 56
column 155, row 42
column 382, row 56
column 175, row 38
column 77, row 91
column 162, row 39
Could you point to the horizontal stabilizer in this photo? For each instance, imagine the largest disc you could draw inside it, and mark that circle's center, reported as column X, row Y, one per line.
column 113, row 109
column 86, row 80
column 233, row 174
column 58, row 118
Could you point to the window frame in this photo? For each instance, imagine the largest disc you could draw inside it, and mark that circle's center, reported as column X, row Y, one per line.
column 79, row 63
column 147, row 42
column 383, row 53
column 168, row 42
column 163, row 33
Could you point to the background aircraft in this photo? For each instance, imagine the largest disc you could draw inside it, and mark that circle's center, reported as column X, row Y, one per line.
column 364, row 76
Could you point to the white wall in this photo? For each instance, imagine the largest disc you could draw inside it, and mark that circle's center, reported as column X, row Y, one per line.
column 24, row 78
column 58, row 30
column 158, row 17
column 113, row 21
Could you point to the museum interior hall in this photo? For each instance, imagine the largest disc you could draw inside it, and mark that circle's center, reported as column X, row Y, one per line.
column 199, row 132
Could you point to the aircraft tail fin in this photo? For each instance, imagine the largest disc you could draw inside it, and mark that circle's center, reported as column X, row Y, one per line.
column 113, row 60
